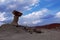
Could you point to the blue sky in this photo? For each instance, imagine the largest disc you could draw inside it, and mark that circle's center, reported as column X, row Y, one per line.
column 35, row 12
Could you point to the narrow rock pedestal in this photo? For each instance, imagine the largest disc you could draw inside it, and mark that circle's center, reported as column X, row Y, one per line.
column 16, row 17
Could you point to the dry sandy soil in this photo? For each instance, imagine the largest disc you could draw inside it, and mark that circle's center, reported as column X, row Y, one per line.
column 46, row 35
column 10, row 32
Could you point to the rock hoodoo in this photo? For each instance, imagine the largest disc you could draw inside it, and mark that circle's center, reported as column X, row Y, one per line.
column 16, row 17
column 12, row 26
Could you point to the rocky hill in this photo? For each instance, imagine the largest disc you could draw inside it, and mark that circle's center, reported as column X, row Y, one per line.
column 49, row 26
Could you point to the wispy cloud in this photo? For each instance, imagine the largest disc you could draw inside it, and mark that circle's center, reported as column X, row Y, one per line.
column 18, row 4
column 57, row 15
column 34, row 17
column 37, row 14
column 2, row 18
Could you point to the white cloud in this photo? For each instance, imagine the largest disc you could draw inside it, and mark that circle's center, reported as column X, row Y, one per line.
column 1, row 1
column 30, row 2
column 57, row 15
column 21, row 1
column 36, row 21
column 27, row 7
column 34, row 17
column 37, row 14
column 2, row 18
column 19, row 4
column 33, row 2
column 12, row 6
column 33, row 22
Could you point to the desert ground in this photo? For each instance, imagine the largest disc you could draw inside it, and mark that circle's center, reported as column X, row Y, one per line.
column 46, row 34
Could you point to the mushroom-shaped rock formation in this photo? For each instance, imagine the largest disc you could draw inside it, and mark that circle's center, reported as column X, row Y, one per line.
column 16, row 17
column 12, row 27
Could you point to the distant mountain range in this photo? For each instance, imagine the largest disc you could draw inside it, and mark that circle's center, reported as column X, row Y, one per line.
column 49, row 26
